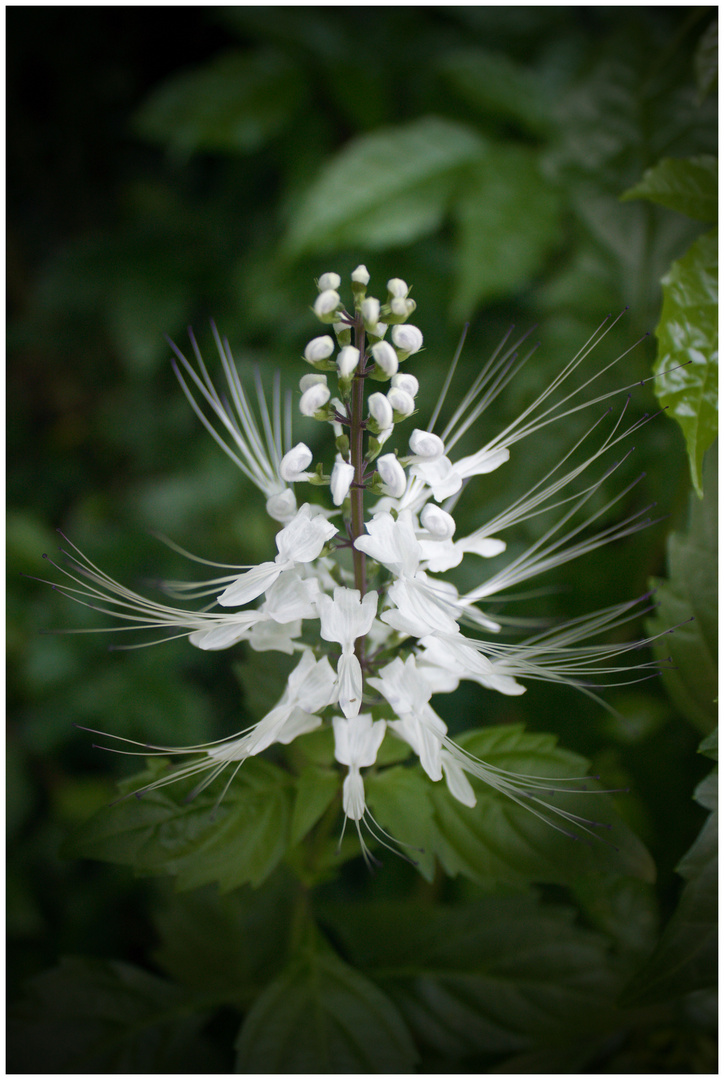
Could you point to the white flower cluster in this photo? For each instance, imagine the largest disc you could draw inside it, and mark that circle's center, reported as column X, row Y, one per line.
column 355, row 588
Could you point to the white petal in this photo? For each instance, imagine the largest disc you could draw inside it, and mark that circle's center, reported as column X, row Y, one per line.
column 250, row 584
column 356, row 741
column 484, row 461
column 392, row 475
column 304, row 537
column 458, row 784
column 341, row 481
column 349, row 677
column 294, row 462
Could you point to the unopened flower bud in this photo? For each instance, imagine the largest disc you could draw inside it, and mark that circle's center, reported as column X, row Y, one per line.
column 406, row 382
column 438, row 522
column 312, row 379
column 326, row 304
column 341, row 480
column 347, row 361
column 282, row 507
column 408, row 339
column 426, row 445
column 343, row 333
column 402, row 403
column 380, row 411
column 392, row 475
column 329, row 281
column 361, row 276
column 385, row 357
column 319, row 348
column 370, row 312
column 397, row 287
column 293, row 464
column 314, row 398
column 400, row 309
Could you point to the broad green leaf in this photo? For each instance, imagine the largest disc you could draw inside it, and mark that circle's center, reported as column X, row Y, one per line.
column 497, row 87
column 226, row 946
column 385, row 188
column 687, row 614
column 498, row 976
column 706, row 60
column 687, row 335
column 242, row 840
column 500, row 841
column 685, row 959
column 234, row 104
column 508, row 218
column 100, row 1016
column 316, row 790
column 687, row 185
column 322, row 1016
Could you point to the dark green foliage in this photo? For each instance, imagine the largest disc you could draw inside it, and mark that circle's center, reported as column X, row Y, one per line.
column 482, row 154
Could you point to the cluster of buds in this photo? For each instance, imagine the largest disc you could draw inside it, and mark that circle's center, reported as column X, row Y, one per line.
column 355, row 588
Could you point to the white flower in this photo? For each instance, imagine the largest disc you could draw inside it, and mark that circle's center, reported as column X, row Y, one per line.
column 404, row 381
column 445, row 478
column 438, row 522
column 344, row 619
column 380, row 411
column 394, row 480
column 347, row 361
column 370, row 312
column 361, row 275
column 293, row 464
column 312, row 378
column 426, row 446
column 385, row 357
column 402, row 403
column 300, row 541
column 397, row 287
column 392, row 543
column 407, row 338
column 282, row 507
column 341, row 480
column 329, row 281
column 314, row 398
column 319, row 348
column 326, row 305
column 419, row 725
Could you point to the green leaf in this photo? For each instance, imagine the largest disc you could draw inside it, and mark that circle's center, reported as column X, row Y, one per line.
column 687, row 185
column 322, row 1016
column 234, row 104
column 687, row 334
column 687, row 612
column 508, row 218
column 241, row 841
column 685, row 959
column 385, row 188
column 499, row 841
column 498, row 87
column 99, row 1016
column 316, row 790
column 226, row 947
column 498, row 976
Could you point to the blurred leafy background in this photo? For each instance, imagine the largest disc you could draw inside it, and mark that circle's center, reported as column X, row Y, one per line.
column 170, row 166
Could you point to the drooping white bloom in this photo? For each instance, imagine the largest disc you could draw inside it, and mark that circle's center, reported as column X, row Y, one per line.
column 300, row 541
column 402, row 544
column 344, row 619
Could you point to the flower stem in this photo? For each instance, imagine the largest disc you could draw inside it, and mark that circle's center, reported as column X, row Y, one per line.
column 356, row 444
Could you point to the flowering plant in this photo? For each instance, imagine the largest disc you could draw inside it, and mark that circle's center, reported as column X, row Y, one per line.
column 358, row 593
